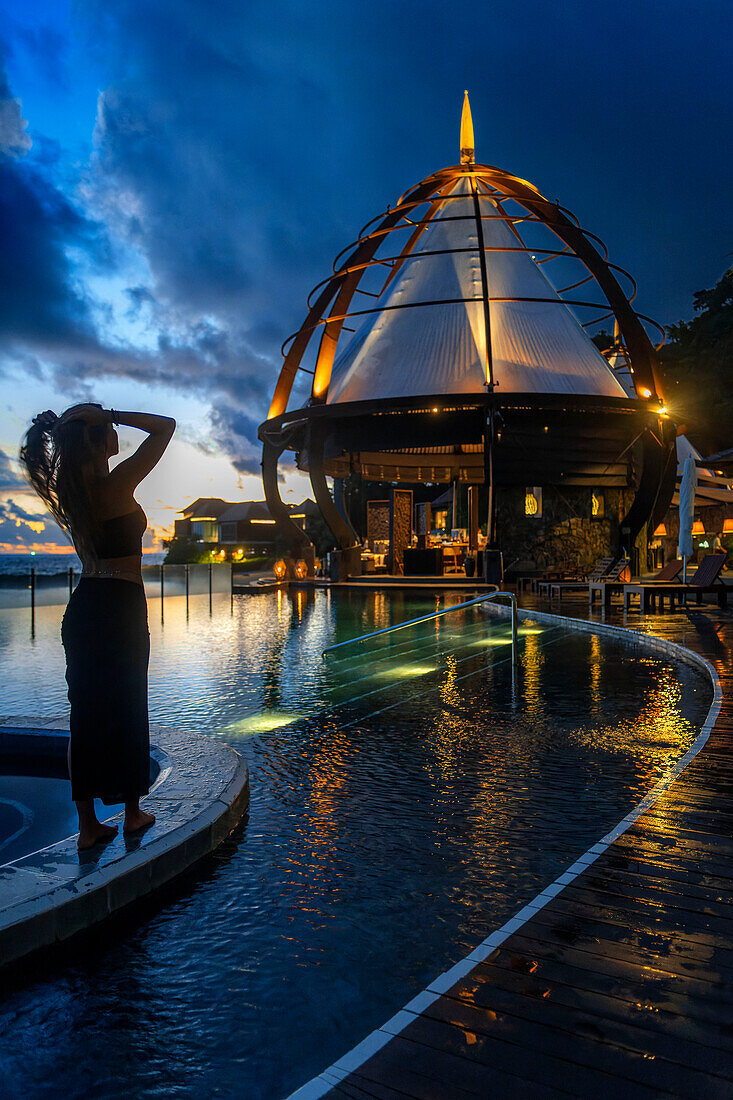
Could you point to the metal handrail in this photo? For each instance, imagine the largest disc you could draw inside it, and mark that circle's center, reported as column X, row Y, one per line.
column 436, row 615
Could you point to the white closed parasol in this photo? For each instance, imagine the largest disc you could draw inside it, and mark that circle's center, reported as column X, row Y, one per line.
column 688, row 485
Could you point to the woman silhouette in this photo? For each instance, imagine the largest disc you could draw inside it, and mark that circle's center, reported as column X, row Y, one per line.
column 105, row 629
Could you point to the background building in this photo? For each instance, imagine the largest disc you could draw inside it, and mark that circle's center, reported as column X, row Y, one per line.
column 232, row 530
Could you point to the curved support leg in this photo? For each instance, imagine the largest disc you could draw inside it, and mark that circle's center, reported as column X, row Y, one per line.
column 667, row 483
column 653, row 488
column 341, row 529
column 299, row 543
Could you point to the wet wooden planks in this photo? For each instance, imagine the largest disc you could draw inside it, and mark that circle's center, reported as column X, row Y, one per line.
column 622, row 985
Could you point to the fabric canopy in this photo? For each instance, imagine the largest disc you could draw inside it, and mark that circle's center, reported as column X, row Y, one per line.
column 409, row 347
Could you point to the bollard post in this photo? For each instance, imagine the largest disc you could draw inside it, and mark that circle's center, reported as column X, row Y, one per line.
column 211, row 577
column 162, row 580
column 515, row 654
column 187, row 569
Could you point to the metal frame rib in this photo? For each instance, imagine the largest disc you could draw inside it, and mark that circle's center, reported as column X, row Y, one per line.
column 331, row 307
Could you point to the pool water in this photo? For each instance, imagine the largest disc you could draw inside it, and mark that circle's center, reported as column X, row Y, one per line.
column 408, row 795
column 35, row 811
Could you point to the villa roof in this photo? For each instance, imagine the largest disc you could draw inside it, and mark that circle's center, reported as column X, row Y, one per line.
column 257, row 509
column 245, row 509
column 205, row 508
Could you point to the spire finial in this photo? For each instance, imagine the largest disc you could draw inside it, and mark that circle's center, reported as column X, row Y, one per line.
column 467, row 145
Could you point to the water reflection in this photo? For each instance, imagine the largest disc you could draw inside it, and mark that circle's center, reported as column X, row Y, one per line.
column 395, row 821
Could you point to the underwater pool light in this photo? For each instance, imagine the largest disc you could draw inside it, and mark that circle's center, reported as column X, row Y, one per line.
column 263, row 721
column 531, row 630
column 401, row 672
column 493, row 641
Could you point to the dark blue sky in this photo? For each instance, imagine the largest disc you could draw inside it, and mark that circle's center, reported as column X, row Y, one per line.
column 195, row 166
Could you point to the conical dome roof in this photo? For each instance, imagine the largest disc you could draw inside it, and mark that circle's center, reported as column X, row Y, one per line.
column 426, row 333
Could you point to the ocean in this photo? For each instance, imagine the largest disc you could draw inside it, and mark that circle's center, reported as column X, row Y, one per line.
column 47, row 564
column 50, row 565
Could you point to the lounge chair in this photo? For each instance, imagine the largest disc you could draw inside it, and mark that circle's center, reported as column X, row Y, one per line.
column 550, row 577
column 706, row 579
column 540, row 582
column 606, row 588
column 608, row 569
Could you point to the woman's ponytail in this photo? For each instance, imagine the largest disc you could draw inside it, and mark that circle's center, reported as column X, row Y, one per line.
column 55, row 456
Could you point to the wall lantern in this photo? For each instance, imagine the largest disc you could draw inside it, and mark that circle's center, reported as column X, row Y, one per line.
column 280, row 569
column 728, row 526
column 533, row 501
column 661, row 532
column 597, row 505
column 301, row 570
column 697, row 527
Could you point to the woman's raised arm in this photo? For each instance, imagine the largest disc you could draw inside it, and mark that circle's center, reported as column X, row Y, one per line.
column 160, row 429
column 128, row 474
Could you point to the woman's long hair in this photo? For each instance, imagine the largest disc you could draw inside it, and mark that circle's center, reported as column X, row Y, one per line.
column 57, row 458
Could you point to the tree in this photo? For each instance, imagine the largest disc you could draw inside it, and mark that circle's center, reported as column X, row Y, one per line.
column 697, row 367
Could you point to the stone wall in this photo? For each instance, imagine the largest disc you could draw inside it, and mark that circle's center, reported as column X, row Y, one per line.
column 565, row 536
column 377, row 520
column 401, row 528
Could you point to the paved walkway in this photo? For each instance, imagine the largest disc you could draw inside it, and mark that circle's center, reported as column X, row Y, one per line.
column 621, row 985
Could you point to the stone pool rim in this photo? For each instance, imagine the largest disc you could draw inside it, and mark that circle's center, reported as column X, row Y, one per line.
column 199, row 795
column 337, row 1073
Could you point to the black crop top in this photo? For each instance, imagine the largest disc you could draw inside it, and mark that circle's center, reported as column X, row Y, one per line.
column 121, row 536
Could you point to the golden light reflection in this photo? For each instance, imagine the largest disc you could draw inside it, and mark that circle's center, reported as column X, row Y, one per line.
column 595, row 672
column 532, row 662
column 448, row 691
column 322, row 825
column 447, row 728
column 653, row 738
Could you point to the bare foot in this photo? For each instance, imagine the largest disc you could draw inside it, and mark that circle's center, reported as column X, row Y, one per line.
column 135, row 820
column 95, row 834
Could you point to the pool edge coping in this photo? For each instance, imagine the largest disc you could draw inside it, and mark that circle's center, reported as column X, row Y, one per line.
column 318, row 1087
column 198, row 798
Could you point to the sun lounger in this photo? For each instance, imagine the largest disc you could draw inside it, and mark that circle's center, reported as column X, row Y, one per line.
column 652, row 594
column 542, row 584
column 606, row 589
column 611, row 571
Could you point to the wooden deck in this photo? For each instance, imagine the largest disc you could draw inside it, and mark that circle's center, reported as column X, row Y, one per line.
column 621, row 985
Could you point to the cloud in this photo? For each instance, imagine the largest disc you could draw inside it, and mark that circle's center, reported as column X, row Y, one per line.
column 42, row 308
column 236, row 153
column 19, row 527
column 200, row 340
column 232, row 213
column 10, row 476
column 14, row 141
column 236, row 433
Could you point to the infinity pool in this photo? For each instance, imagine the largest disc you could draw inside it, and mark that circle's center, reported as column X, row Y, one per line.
column 408, row 795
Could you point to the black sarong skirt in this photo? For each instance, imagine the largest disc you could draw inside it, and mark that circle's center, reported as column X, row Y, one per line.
column 105, row 635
